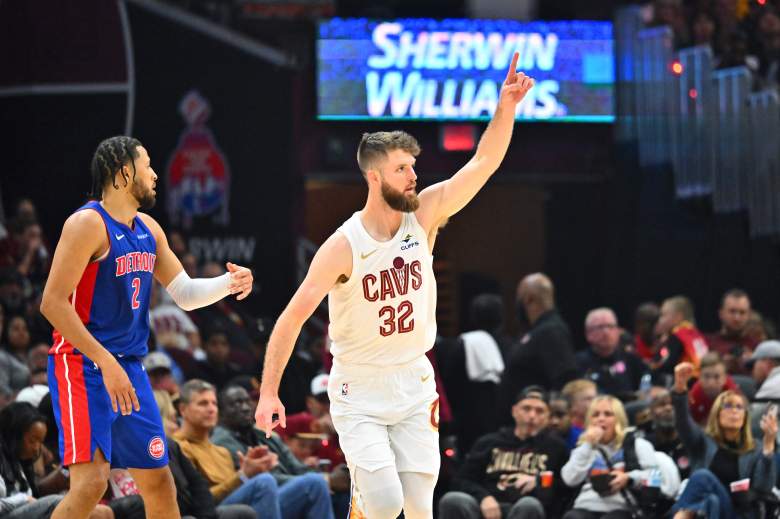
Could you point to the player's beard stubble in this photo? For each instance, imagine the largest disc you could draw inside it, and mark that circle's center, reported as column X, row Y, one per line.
column 398, row 200
column 145, row 197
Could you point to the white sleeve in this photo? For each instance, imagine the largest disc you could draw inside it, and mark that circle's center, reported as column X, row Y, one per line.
column 190, row 294
column 576, row 469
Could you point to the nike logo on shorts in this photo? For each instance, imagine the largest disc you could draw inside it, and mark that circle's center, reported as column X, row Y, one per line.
column 426, row 377
column 364, row 256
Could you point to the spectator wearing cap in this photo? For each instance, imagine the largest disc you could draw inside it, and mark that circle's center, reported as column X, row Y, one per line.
column 237, row 433
column 765, row 366
column 545, row 355
column 159, row 367
column 514, row 472
column 311, row 433
column 615, row 371
column 713, row 380
column 731, row 341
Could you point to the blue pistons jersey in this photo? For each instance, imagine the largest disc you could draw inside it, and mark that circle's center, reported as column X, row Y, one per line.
column 112, row 297
column 112, row 300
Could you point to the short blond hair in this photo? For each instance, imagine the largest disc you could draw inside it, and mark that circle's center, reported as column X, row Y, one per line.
column 621, row 420
column 374, row 147
column 577, row 386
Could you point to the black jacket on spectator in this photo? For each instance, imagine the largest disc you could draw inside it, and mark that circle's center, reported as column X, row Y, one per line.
column 544, row 356
column 192, row 489
column 617, row 375
column 675, row 449
column 492, row 465
column 467, row 398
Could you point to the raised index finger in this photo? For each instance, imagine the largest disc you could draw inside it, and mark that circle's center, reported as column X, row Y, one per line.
column 512, row 72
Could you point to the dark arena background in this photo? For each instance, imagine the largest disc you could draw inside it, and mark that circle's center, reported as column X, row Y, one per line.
column 642, row 180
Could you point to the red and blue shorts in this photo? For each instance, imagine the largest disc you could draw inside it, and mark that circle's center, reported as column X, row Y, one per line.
column 86, row 421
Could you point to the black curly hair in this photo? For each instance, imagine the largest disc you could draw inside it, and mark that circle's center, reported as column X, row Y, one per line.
column 109, row 157
column 15, row 420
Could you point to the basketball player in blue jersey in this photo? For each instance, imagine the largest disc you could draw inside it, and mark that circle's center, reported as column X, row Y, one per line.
column 97, row 299
column 378, row 275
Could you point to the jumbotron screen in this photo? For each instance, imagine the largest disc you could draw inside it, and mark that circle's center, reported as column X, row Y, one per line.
column 424, row 69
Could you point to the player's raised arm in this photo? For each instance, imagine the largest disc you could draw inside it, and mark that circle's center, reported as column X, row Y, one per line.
column 446, row 198
column 83, row 238
column 332, row 261
column 189, row 293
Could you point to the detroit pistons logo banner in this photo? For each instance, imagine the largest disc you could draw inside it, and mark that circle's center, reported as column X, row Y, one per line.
column 198, row 175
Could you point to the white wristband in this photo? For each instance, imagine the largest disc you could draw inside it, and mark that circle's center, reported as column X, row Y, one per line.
column 190, row 293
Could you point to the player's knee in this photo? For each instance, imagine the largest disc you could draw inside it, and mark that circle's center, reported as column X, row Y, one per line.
column 384, row 503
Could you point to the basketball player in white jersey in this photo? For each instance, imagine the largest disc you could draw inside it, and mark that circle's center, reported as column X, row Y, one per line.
column 377, row 271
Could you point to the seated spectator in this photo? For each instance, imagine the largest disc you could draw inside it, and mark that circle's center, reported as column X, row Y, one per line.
column 192, row 490
column 722, row 454
column 38, row 356
column 471, row 366
column 237, row 433
column 514, row 472
column 159, row 368
column 610, row 463
column 731, row 341
column 252, row 484
column 768, row 30
column 615, row 371
column 12, row 286
column 14, row 374
column 22, row 430
column 645, row 320
column 681, row 341
column 712, row 382
column 703, row 29
column 760, row 329
column 315, row 420
column 663, row 433
column 559, row 415
column 764, row 364
column 579, row 393
column 216, row 368
column 544, row 356
column 17, row 337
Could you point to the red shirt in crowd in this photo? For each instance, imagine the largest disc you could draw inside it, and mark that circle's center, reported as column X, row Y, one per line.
column 700, row 404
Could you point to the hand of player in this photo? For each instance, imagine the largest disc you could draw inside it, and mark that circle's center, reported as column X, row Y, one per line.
column 240, row 280
column 515, row 87
column 682, row 374
column 119, row 388
column 269, row 414
column 490, row 508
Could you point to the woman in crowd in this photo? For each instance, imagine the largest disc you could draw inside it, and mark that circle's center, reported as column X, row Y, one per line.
column 22, row 430
column 725, row 460
column 608, row 464
column 17, row 337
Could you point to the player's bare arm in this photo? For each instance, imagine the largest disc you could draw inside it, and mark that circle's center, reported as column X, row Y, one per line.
column 440, row 201
column 168, row 269
column 332, row 264
column 83, row 239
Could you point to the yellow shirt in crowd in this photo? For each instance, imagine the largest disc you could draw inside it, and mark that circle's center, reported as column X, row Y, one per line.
column 213, row 462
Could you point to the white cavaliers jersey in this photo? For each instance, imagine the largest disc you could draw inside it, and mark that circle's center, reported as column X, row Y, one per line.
column 385, row 314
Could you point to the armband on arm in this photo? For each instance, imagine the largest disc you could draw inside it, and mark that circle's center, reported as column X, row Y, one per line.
column 190, row 293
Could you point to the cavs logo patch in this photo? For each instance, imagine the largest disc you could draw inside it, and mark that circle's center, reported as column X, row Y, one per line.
column 156, row 448
column 434, row 407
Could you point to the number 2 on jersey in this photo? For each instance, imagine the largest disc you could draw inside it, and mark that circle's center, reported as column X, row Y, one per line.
column 136, row 289
column 404, row 323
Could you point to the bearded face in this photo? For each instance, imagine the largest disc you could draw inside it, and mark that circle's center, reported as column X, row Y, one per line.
column 406, row 203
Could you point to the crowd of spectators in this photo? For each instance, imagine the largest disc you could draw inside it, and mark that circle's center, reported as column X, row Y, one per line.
column 740, row 32
column 663, row 418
